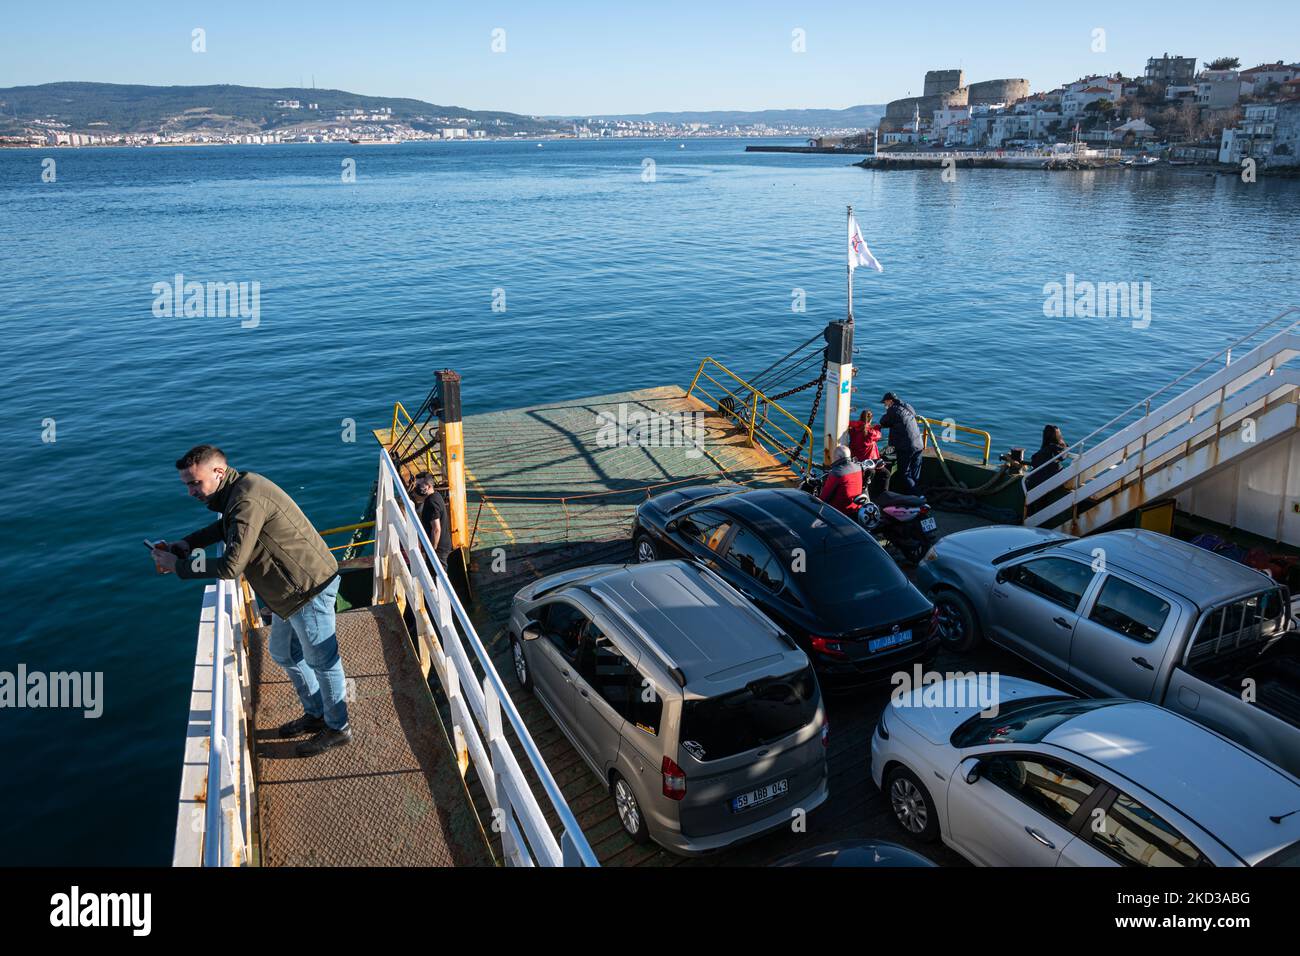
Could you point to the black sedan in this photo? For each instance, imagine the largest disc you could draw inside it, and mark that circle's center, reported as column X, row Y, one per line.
column 813, row 571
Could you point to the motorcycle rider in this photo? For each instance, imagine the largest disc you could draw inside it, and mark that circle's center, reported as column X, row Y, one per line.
column 843, row 482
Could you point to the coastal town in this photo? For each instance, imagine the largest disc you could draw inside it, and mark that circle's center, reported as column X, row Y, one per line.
column 1220, row 114
column 1179, row 111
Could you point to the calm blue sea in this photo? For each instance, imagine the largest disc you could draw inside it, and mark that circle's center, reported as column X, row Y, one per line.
column 610, row 283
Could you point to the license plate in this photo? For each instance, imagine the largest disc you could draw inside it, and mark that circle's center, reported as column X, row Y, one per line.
column 893, row 640
column 928, row 524
column 762, row 795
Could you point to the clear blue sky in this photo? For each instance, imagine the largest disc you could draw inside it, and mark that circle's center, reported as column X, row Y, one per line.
column 573, row 56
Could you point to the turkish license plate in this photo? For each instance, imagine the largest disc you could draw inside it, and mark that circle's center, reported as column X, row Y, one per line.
column 928, row 524
column 762, row 795
column 893, row 640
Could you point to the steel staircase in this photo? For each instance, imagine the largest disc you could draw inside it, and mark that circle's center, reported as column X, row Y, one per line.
column 1172, row 439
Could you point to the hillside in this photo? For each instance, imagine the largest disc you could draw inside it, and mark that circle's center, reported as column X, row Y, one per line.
column 131, row 109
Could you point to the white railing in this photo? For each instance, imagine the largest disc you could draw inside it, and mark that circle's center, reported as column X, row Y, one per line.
column 404, row 558
column 1146, row 436
column 214, row 823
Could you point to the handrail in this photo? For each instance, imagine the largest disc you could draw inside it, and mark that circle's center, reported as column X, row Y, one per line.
column 400, row 534
column 986, row 442
column 221, row 832
column 392, row 434
column 1076, row 449
column 751, row 401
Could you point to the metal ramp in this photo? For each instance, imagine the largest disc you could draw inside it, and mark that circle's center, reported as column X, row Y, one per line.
column 394, row 796
column 1226, row 412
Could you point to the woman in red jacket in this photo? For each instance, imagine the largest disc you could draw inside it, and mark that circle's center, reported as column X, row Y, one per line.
column 863, row 436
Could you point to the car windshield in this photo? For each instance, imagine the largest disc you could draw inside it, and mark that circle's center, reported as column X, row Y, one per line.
column 762, row 712
column 1025, row 721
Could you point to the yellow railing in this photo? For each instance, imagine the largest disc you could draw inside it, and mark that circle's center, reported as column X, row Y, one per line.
column 752, row 411
column 402, row 419
column 349, row 527
column 983, row 440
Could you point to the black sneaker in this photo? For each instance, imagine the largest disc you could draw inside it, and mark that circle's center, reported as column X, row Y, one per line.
column 306, row 724
column 325, row 740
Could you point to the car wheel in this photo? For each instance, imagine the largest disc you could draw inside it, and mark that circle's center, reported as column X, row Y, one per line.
column 959, row 629
column 912, row 806
column 629, row 811
column 523, row 673
column 645, row 549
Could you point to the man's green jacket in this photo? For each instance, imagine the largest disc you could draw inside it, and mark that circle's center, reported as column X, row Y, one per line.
column 267, row 539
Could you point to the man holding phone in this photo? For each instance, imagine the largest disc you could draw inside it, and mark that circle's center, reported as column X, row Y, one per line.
column 269, row 541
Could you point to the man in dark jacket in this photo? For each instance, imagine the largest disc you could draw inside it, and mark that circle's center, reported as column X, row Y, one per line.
column 269, row 541
column 905, row 437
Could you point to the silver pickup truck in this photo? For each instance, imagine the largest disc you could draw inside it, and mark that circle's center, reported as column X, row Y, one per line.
column 1131, row 614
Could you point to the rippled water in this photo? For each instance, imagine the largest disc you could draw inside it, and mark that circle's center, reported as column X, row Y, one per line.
column 610, row 283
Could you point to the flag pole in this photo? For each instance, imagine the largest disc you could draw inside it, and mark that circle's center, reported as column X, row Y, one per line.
column 850, row 266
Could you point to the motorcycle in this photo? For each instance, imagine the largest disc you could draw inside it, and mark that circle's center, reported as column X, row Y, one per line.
column 904, row 521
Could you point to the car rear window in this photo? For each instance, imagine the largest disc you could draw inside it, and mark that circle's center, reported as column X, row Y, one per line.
column 1025, row 721
column 850, row 569
column 1248, row 621
column 764, row 711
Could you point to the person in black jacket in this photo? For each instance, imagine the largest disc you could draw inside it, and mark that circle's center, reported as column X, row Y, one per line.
column 905, row 438
column 1052, row 448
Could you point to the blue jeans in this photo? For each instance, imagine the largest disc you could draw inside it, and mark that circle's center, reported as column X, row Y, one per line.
column 306, row 645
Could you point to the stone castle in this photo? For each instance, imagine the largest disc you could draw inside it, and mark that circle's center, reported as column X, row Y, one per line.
column 946, row 89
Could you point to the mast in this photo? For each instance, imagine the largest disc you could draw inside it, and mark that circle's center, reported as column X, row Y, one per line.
column 839, row 372
column 849, row 267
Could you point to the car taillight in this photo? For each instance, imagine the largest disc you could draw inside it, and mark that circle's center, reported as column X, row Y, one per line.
column 674, row 780
column 826, row 734
column 828, row 646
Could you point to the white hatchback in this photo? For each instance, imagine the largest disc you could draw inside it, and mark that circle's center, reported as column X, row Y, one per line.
column 1046, row 779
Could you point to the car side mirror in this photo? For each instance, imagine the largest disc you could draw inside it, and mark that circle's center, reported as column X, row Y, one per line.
column 971, row 769
column 532, row 632
column 1001, row 576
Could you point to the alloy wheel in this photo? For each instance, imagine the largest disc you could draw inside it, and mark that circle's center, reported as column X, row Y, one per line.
column 628, row 811
column 950, row 624
column 909, row 805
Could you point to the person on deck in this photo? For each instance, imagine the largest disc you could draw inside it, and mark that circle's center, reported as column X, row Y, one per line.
column 863, row 436
column 905, row 438
column 268, row 540
column 843, row 482
column 434, row 515
column 1052, row 450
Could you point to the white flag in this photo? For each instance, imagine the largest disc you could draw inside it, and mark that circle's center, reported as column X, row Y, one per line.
column 859, row 254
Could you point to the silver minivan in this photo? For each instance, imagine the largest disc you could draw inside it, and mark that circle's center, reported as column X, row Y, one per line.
column 702, row 718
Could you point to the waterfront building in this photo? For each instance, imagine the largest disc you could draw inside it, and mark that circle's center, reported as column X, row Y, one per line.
column 1269, row 133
